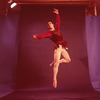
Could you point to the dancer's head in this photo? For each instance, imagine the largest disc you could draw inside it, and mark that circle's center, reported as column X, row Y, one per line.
column 50, row 25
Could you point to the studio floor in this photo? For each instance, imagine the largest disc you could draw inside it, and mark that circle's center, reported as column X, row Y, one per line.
column 52, row 94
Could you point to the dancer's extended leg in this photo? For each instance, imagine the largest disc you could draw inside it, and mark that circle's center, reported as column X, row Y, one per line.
column 57, row 54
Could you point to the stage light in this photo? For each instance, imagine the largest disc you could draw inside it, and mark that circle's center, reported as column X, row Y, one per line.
column 12, row 3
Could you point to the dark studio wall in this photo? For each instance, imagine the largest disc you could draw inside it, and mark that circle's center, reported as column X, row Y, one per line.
column 34, row 56
column 28, row 58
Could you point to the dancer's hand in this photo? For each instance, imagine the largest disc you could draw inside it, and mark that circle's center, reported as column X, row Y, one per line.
column 56, row 11
column 34, row 36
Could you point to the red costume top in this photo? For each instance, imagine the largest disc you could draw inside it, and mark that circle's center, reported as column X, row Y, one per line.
column 55, row 35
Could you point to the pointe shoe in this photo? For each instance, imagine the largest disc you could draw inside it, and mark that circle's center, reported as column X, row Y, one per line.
column 55, row 83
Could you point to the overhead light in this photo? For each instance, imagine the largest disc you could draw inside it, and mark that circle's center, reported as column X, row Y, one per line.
column 12, row 3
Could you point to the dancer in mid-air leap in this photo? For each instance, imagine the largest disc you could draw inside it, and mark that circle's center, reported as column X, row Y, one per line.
column 60, row 45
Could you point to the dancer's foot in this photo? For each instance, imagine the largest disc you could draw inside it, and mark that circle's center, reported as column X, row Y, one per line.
column 55, row 83
column 52, row 64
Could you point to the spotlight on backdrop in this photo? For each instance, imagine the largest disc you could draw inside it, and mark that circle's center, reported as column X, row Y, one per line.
column 12, row 3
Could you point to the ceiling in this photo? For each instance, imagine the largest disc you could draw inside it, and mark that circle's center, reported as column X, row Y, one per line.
column 54, row 1
column 3, row 3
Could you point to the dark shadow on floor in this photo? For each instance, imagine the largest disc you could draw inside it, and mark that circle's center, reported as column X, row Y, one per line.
column 52, row 94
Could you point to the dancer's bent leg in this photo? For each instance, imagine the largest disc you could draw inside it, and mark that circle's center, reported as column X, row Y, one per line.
column 66, row 57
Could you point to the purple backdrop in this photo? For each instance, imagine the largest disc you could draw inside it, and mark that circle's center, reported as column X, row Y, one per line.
column 93, row 47
column 34, row 56
column 8, row 52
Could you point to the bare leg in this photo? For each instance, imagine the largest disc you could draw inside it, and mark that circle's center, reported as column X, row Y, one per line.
column 60, row 61
column 66, row 57
column 57, row 54
column 57, row 61
column 63, row 61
